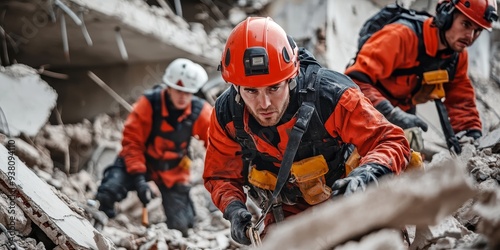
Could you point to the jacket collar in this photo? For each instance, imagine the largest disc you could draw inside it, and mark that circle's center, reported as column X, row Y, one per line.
column 431, row 38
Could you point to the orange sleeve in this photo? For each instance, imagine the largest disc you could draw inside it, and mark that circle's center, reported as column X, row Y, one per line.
column 135, row 134
column 223, row 165
column 380, row 55
column 461, row 100
column 356, row 121
column 200, row 127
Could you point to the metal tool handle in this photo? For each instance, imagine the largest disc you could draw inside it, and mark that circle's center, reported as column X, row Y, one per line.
column 253, row 234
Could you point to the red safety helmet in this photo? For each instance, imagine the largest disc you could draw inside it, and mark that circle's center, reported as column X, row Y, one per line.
column 481, row 12
column 259, row 53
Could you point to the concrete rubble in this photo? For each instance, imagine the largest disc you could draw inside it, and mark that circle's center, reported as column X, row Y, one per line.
column 66, row 228
column 443, row 208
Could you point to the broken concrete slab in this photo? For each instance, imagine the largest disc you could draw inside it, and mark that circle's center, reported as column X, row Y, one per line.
column 384, row 239
column 491, row 140
column 26, row 100
column 169, row 31
column 416, row 198
column 447, row 232
column 39, row 202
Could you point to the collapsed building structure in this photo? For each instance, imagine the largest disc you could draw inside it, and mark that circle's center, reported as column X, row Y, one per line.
column 73, row 67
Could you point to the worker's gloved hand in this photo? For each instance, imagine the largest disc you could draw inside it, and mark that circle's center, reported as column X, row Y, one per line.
column 469, row 137
column 143, row 190
column 400, row 118
column 237, row 213
column 106, row 202
column 359, row 178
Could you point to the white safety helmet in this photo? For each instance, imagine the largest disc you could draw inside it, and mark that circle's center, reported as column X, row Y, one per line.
column 184, row 75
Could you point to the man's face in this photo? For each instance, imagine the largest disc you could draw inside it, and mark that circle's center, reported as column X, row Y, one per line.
column 266, row 104
column 463, row 33
column 179, row 98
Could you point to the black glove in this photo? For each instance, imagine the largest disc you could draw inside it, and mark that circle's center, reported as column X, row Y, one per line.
column 142, row 188
column 237, row 213
column 359, row 178
column 400, row 118
column 106, row 203
column 473, row 133
column 469, row 136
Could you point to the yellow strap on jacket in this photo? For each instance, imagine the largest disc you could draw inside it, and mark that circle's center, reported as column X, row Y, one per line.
column 352, row 162
column 185, row 162
column 432, row 86
column 416, row 161
column 262, row 179
column 309, row 176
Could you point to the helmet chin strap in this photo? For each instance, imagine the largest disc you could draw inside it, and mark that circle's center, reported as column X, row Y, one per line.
column 292, row 84
column 237, row 98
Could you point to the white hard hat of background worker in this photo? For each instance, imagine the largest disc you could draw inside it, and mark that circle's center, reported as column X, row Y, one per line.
column 184, row 75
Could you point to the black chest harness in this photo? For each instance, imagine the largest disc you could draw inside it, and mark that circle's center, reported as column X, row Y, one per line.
column 180, row 135
column 426, row 62
column 313, row 140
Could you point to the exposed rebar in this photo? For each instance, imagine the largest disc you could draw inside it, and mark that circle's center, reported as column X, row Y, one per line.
column 178, row 7
column 121, row 44
column 64, row 36
column 5, row 60
column 68, row 11
column 85, row 32
column 110, row 91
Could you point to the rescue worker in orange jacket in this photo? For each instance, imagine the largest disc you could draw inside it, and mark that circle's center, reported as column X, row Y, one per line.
column 272, row 82
column 155, row 144
column 456, row 25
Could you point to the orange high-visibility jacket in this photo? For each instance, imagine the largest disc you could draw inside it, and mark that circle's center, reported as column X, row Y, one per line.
column 395, row 46
column 138, row 127
column 353, row 120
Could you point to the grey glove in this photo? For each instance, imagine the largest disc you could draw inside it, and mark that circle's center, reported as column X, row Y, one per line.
column 237, row 213
column 143, row 191
column 359, row 178
column 400, row 118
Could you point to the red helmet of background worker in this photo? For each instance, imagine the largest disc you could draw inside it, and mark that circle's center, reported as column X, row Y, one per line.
column 258, row 53
column 481, row 12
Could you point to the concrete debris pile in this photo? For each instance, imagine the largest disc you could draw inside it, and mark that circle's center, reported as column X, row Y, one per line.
column 443, row 208
column 47, row 199
column 28, row 226
column 446, row 208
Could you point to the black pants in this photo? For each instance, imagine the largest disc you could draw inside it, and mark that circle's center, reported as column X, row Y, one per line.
column 178, row 207
column 176, row 201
